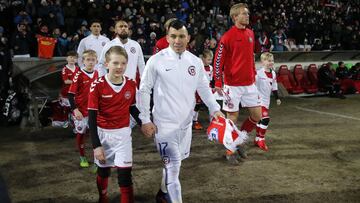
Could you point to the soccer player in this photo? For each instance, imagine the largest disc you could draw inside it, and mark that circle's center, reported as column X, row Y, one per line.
column 110, row 99
column 67, row 76
column 94, row 41
column 206, row 57
column 234, row 61
column 162, row 43
column 175, row 75
column 78, row 97
column 265, row 83
column 133, row 49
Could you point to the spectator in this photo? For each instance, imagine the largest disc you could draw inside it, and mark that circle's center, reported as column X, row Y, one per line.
column 21, row 41
column 23, row 17
column 347, row 85
column 278, row 40
column 328, row 82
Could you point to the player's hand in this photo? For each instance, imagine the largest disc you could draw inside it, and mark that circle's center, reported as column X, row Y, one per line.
column 149, row 129
column 99, row 154
column 278, row 102
column 78, row 115
column 218, row 90
column 218, row 114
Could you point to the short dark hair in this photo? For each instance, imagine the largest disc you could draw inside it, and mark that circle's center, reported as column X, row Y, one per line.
column 176, row 24
column 95, row 21
column 72, row 53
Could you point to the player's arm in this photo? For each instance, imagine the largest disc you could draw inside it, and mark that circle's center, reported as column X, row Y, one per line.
column 146, row 84
column 219, row 60
column 205, row 93
column 274, row 88
column 80, row 51
column 141, row 62
column 65, row 77
column 134, row 111
column 71, row 96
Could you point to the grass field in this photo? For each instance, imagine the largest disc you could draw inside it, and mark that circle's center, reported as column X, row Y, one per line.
column 314, row 156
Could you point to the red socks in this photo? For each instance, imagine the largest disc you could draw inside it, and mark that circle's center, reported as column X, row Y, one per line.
column 80, row 143
column 248, row 125
column 127, row 194
column 102, row 184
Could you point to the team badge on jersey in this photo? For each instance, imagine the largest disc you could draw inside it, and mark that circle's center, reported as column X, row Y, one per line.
column 133, row 50
column 250, row 39
column 127, row 95
column 103, row 43
column 166, row 159
column 191, row 70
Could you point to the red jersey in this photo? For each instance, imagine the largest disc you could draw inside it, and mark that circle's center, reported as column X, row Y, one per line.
column 67, row 74
column 235, row 57
column 80, row 87
column 46, row 46
column 162, row 43
column 112, row 102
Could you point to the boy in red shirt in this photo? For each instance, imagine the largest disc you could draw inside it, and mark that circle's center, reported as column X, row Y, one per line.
column 67, row 76
column 111, row 100
column 78, row 98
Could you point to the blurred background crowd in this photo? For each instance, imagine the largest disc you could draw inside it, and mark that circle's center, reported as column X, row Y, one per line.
column 279, row 25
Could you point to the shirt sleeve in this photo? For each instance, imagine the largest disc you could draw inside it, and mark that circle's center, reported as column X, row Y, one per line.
column 141, row 62
column 219, row 62
column 93, row 100
column 146, row 85
column 204, row 91
column 74, row 85
column 64, row 75
column 274, row 86
column 80, row 51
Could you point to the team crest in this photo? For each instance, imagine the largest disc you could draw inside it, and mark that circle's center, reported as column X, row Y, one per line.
column 265, row 113
column 133, row 50
column 166, row 159
column 250, row 39
column 127, row 95
column 191, row 70
column 103, row 43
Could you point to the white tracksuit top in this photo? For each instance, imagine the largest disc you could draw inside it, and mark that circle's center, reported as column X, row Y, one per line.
column 93, row 42
column 265, row 86
column 174, row 79
column 135, row 57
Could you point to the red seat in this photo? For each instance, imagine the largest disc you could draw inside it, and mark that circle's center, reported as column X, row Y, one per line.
column 312, row 75
column 287, row 79
column 302, row 80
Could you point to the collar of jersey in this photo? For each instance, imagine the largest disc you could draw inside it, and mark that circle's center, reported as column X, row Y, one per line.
column 174, row 54
column 117, row 89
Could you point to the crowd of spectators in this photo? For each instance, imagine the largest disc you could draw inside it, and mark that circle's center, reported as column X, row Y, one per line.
column 279, row 25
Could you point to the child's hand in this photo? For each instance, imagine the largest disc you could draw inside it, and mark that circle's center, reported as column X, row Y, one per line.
column 78, row 115
column 99, row 154
column 278, row 102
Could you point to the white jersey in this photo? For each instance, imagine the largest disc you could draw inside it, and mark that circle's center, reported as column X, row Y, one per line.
column 265, row 86
column 93, row 42
column 135, row 55
column 174, row 78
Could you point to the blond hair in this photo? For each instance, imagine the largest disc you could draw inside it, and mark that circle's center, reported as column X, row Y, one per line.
column 266, row 56
column 88, row 53
column 118, row 50
column 234, row 10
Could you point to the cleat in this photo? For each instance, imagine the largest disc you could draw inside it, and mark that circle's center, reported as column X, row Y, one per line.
column 197, row 125
column 261, row 144
column 161, row 197
column 241, row 152
column 83, row 162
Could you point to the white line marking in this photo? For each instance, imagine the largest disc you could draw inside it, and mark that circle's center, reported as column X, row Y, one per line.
column 326, row 113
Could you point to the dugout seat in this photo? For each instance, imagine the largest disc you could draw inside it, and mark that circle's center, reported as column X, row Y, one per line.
column 313, row 78
column 285, row 77
column 301, row 79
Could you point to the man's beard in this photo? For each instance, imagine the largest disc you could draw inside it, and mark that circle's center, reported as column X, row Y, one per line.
column 123, row 36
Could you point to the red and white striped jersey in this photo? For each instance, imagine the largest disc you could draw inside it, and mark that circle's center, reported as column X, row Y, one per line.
column 225, row 132
column 112, row 102
column 81, row 87
column 67, row 74
column 266, row 83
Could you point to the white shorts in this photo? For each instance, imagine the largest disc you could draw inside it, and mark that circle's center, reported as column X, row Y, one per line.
column 248, row 96
column 173, row 144
column 117, row 145
column 64, row 102
column 80, row 125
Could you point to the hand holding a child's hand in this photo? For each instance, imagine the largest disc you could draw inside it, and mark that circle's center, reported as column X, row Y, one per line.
column 99, row 154
column 278, row 102
column 78, row 115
